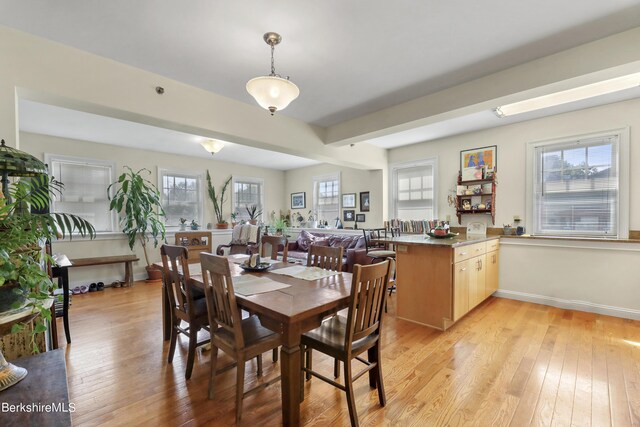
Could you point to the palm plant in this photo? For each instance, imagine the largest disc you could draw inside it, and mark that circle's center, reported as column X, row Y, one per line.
column 218, row 199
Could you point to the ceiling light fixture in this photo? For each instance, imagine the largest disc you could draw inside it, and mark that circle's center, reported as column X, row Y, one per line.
column 212, row 145
column 570, row 95
column 273, row 92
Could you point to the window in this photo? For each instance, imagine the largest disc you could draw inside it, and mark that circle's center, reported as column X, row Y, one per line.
column 181, row 196
column 413, row 190
column 85, row 189
column 326, row 197
column 576, row 185
column 247, row 192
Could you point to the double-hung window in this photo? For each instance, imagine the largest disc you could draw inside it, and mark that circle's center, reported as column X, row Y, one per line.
column 85, row 189
column 326, row 197
column 576, row 187
column 181, row 196
column 413, row 190
column 247, row 192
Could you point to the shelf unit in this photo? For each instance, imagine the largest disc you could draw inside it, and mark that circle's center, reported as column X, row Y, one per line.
column 195, row 241
column 482, row 197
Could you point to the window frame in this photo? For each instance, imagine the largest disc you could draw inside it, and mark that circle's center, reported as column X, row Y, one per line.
column 49, row 158
column 316, row 180
column 242, row 213
column 393, row 180
column 200, row 182
column 622, row 165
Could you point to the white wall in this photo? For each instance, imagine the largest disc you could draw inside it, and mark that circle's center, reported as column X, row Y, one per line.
column 351, row 181
column 116, row 244
column 557, row 274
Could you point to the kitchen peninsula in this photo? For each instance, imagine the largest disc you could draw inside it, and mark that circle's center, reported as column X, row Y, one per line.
column 441, row 280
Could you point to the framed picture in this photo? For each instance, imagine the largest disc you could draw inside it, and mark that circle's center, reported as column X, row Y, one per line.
column 298, row 200
column 477, row 163
column 349, row 200
column 349, row 215
column 364, row 201
column 360, row 218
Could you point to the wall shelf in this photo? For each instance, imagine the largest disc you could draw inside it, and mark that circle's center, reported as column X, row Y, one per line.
column 482, row 197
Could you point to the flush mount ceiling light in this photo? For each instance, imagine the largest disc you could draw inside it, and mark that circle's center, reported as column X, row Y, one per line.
column 570, row 95
column 272, row 92
column 212, row 145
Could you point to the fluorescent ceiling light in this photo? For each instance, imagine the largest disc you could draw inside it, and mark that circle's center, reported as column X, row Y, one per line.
column 570, row 95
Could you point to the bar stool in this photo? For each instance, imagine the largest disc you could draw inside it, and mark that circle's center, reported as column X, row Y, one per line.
column 375, row 250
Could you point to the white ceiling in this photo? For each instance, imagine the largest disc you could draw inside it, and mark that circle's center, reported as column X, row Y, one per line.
column 348, row 58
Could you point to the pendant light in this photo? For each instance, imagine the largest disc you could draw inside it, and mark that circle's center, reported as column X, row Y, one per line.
column 272, row 92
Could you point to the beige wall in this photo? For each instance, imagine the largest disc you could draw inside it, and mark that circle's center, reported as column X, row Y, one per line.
column 351, row 181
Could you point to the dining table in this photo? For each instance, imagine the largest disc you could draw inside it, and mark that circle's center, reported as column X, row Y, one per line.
column 290, row 311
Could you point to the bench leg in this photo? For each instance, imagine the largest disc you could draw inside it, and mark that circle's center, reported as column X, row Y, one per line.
column 128, row 273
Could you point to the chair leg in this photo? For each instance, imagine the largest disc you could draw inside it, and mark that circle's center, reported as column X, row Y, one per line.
column 259, row 360
column 378, row 369
column 303, row 350
column 212, row 375
column 239, row 388
column 336, row 368
column 309, row 363
column 351, row 401
column 172, row 345
column 193, row 342
column 371, row 354
column 275, row 355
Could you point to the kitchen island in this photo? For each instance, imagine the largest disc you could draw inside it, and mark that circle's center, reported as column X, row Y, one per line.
column 441, row 280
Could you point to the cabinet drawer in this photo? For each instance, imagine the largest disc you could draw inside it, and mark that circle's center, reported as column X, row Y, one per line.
column 492, row 245
column 469, row 251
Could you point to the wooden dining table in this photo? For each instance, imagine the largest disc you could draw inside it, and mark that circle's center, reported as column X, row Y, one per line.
column 290, row 312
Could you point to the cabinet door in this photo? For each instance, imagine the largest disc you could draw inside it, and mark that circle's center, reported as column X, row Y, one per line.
column 476, row 280
column 460, row 289
column 491, row 284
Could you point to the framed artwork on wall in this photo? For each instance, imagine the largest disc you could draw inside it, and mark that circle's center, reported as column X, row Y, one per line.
column 360, row 217
column 364, row 201
column 478, row 162
column 349, row 200
column 349, row 215
column 298, row 200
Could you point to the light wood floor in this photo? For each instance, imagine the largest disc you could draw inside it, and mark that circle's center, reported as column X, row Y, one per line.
column 506, row 363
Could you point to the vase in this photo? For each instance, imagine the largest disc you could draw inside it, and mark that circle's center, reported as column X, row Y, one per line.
column 183, row 227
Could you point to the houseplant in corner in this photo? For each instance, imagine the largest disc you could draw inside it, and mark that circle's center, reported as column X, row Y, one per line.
column 218, row 199
column 137, row 201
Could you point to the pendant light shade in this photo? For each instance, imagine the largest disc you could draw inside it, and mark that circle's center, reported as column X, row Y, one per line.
column 272, row 92
column 212, row 145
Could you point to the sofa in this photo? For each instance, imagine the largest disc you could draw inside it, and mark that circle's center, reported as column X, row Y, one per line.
column 355, row 251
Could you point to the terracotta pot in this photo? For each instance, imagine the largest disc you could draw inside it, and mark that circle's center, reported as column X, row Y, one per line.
column 253, row 221
column 222, row 226
column 154, row 274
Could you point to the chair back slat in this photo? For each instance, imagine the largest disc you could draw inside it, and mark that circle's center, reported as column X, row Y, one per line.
column 367, row 300
column 175, row 261
column 220, row 297
column 329, row 258
column 374, row 234
column 275, row 242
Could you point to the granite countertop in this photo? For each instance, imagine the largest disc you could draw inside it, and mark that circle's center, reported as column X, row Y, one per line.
column 421, row 239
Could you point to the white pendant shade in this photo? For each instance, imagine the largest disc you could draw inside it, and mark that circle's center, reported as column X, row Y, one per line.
column 272, row 93
column 212, row 145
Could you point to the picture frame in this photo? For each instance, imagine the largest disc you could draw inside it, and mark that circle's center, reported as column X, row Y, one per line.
column 349, row 200
column 477, row 163
column 298, row 200
column 360, row 217
column 349, row 215
column 365, row 201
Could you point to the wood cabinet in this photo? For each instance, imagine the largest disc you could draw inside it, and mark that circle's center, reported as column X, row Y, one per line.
column 491, row 276
column 196, row 242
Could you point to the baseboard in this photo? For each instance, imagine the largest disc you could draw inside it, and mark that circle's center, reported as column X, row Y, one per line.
column 625, row 313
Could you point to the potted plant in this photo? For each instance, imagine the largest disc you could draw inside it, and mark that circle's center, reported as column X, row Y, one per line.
column 137, row 201
column 254, row 213
column 24, row 284
column 218, row 199
column 183, row 224
column 194, row 224
column 280, row 224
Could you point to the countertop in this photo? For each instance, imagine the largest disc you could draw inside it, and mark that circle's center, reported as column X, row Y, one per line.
column 421, row 239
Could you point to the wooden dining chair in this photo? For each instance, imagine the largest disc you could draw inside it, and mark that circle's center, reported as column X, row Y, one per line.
column 242, row 339
column 329, row 258
column 346, row 338
column 184, row 306
column 274, row 242
column 377, row 251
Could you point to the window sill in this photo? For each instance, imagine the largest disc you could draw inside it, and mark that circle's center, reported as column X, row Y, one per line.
column 572, row 242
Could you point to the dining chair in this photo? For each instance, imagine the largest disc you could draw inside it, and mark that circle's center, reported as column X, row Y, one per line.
column 346, row 338
column 242, row 339
column 184, row 306
column 329, row 258
column 377, row 251
column 274, row 242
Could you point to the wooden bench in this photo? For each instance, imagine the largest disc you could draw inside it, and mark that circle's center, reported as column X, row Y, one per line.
column 103, row 260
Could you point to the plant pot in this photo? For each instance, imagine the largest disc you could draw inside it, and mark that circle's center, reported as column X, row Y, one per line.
column 253, row 221
column 8, row 296
column 154, row 274
column 183, row 227
column 222, row 226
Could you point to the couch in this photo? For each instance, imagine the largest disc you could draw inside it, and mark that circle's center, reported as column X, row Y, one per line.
column 355, row 251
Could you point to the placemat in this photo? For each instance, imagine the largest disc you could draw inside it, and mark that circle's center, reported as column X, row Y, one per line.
column 305, row 273
column 251, row 285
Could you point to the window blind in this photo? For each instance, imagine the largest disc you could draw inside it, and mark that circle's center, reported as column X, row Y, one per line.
column 414, row 192
column 180, row 195
column 247, row 192
column 326, row 197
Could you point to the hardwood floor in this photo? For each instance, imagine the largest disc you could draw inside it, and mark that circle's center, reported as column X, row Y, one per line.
column 506, row 363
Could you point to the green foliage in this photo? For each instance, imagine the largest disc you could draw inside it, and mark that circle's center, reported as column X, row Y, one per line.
column 280, row 224
column 137, row 201
column 218, row 202
column 253, row 211
column 21, row 233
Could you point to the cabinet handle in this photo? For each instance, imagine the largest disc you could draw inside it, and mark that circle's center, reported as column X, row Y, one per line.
column 463, row 269
column 463, row 253
column 494, row 258
column 480, row 261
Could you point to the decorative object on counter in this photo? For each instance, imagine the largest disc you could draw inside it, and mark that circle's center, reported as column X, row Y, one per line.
column 481, row 206
column 349, row 200
column 349, row 215
column 254, row 213
column 183, row 224
column 446, row 235
column 519, row 230
column 218, row 200
column 360, row 217
column 477, row 162
column 298, row 200
column 312, row 219
column 466, row 204
column 508, row 230
column 298, row 217
column 365, row 202
column 138, row 202
column 194, row 225
column 338, row 223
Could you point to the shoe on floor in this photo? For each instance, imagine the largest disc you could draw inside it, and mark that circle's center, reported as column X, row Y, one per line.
column 100, row 286
column 93, row 287
column 76, row 290
column 84, row 289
